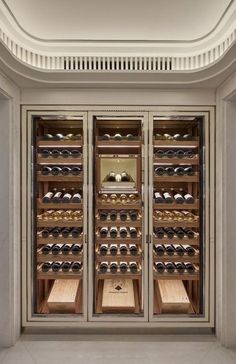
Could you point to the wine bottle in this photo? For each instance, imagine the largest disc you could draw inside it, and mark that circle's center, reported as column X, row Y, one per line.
column 57, row 197
column 111, row 177
column 123, row 249
column 123, row 215
column 103, row 215
column 56, row 153
column 169, row 232
column 75, row 153
column 179, row 199
column 130, row 136
column 113, row 215
column 159, row 171
column 179, row 232
column 190, row 250
column 190, row 233
column 133, row 215
column 66, row 266
column 46, row 249
column 103, row 267
column 160, row 267
column 113, row 232
column 103, row 249
column 188, row 198
column 113, row 249
column 170, row 250
column 65, row 171
column 187, row 137
column 189, row 171
column 125, row 177
column 190, row 268
column 159, row 232
column 56, row 249
column 56, row 266
column 159, row 153
column 66, row 249
column 158, row 197
column 46, row 170
column 75, row 171
column 123, row 232
column 65, row 153
column 188, row 154
column 159, row 250
column 179, row 250
column 56, row 232
column 47, row 198
column 117, row 136
column 76, row 249
column 179, row 171
column 123, row 267
column 169, row 153
column 106, row 137
column 133, row 249
column 170, row 267
column 180, row 267
column 113, row 267
column 65, row 232
column 133, row 232
column 177, row 137
column 167, row 196
column 76, row 267
column 76, row 198
column 179, row 153
column 56, row 170
column 169, row 171
column 103, row 232
column 76, row 232
column 46, row 266
column 45, row 153
column 66, row 197
column 133, row 266
column 47, row 137
column 45, row 232
column 58, row 136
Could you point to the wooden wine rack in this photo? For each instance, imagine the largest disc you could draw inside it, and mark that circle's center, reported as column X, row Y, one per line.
column 44, row 184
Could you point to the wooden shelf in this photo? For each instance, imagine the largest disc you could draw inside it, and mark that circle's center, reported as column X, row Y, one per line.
column 59, row 240
column 118, row 222
column 60, row 143
column 60, row 160
column 177, row 143
column 41, row 258
column 58, row 178
column 176, row 161
column 176, row 240
column 118, row 143
column 183, row 179
column 176, row 258
column 118, row 206
column 176, row 206
column 118, row 240
column 59, row 206
column 52, row 223
column 184, row 277
column 118, row 274
column 118, row 257
column 161, row 223
column 59, row 275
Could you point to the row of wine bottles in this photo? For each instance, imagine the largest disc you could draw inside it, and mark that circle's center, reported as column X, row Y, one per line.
column 56, row 153
column 174, row 137
column 118, row 177
column 122, row 198
column 122, row 266
column 178, row 267
column 65, row 267
column 65, row 170
column 170, row 233
column 122, row 232
column 115, row 249
column 170, row 153
column 173, row 196
column 118, row 136
column 59, row 215
column 65, row 249
column 62, row 196
column 60, row 136
column 64, row 232
column 122, row 215
column 172, row 170
column 175, row 215
column 171, row 249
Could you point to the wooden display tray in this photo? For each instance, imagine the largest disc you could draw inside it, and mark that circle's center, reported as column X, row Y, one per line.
column 176, row 258
column 170, row 276
column 177, row 143
column 59, row 206
column 118, row 274
column 176, row 161
column 119, row 206
column 160, row 223
column 172, row 297
column 41, row 258
column 176, row 206
column 118, row 143
column 194, row 178
column 60, row 161
column 60, row 143
column 176, row 240
column 58, row 178
column 118, row 240
column 52, row 240
column 119, row 258
column 59, row 275
column 52, row 223
column 118, row 223
column 64, row 296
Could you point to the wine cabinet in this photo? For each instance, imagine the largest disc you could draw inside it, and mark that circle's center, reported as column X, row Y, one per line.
column 118, row 217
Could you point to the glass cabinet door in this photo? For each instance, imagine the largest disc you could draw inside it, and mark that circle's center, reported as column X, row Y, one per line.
column 178, row 207
column 58, row 214
column 119, row 205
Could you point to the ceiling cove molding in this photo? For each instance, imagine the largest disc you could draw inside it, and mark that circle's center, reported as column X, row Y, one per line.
column 118, row 56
